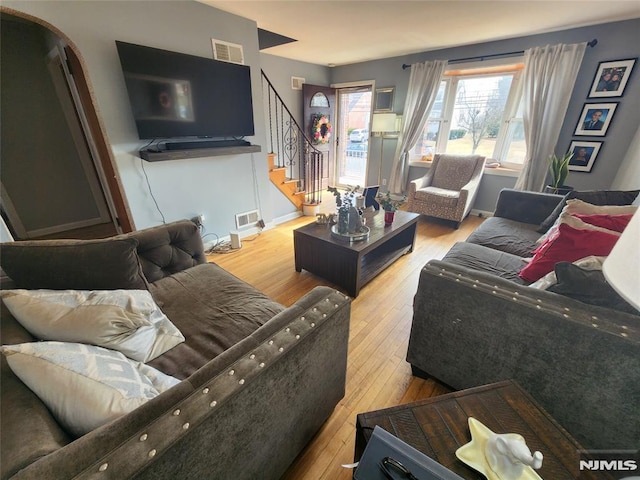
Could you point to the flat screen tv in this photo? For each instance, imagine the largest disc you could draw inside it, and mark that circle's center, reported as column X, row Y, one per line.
column 178, row 95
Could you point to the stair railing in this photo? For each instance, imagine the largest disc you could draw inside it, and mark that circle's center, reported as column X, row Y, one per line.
column 292, row 147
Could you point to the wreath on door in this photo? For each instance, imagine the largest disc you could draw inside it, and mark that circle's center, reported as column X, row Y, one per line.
column 321, row 130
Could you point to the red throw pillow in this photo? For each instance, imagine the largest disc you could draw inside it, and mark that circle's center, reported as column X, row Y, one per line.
column 617, row 223
column 567, row 244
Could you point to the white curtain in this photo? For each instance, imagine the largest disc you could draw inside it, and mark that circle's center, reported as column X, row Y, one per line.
column 421, row 95
column 549, row 76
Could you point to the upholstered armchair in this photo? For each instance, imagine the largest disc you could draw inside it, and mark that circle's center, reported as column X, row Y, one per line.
column 448, row 189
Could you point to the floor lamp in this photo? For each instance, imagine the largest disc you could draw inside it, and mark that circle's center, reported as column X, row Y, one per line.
column 381, row 125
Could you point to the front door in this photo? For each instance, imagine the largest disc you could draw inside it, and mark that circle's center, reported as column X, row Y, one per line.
column 319, row 125
column 352, row 157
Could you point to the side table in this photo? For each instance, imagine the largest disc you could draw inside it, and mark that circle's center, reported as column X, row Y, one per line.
column 438, row 426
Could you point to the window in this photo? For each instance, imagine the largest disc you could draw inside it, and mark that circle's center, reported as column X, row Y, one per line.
column 477, row 111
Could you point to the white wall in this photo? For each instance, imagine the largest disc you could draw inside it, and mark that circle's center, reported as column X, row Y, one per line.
column 628, row 177
column 218, row 187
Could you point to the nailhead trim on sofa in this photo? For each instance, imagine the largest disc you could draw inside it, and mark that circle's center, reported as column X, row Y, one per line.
column 160, row 435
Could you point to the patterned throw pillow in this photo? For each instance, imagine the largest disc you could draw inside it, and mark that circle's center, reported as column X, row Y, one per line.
column 85, row 386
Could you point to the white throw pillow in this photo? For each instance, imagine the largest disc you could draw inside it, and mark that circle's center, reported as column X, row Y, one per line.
column 587, row 263
column 85, row 386
column 128, row 321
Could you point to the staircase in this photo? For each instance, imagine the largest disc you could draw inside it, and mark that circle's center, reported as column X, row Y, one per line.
column 295, row 165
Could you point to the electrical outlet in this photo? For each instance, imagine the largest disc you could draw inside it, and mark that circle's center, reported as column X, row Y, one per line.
column 384, row 182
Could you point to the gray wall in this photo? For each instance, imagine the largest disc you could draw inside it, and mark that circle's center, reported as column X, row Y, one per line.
column 619, row 40
column 218, row 187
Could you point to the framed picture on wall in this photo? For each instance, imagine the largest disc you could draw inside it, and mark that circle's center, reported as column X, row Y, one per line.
column 595, row 119
column 611, row 78
column 584, row 155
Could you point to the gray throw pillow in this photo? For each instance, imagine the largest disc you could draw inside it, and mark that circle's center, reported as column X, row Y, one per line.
column 105, row 264
column 594, row 197
column 588, row 286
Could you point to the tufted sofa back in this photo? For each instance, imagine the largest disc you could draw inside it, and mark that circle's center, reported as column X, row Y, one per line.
column 170, row 248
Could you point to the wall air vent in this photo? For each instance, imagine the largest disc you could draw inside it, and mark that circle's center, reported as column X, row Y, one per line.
column 296, row 83
column 227, row 52
column 247, row 219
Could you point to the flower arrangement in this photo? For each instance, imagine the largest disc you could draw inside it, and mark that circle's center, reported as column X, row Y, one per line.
column 389, row 204
column 321, row 129
column 344, row 201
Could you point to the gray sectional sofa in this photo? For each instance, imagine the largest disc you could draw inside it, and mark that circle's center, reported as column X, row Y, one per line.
column 476, row 322
column 256, row 379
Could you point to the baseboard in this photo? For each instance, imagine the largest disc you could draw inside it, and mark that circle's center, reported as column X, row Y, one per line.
column 285, row 218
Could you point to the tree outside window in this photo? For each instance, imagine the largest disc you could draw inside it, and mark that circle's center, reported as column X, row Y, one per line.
column 474, row 114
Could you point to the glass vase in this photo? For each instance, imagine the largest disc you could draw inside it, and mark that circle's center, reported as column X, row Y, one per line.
column 343, row 222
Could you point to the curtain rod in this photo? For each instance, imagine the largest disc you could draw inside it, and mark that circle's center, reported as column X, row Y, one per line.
column 592, row 43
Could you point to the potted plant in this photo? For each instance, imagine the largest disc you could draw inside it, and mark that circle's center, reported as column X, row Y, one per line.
column 390, row 206
column 559, row 169
column 344, row 202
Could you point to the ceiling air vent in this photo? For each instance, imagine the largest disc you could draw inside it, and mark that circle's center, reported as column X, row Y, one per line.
column 227, row 52
column 296, row 83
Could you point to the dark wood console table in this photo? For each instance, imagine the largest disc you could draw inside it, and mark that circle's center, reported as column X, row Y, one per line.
column 353, row 265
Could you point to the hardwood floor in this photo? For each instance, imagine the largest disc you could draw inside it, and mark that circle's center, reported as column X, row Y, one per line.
column 377, row 374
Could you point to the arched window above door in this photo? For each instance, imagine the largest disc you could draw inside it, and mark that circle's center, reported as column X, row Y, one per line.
column 319, row 100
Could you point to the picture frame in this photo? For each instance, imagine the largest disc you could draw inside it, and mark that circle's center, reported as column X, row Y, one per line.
column 384, row 100
column 584, row 155
column 595, row 119
column 611, row 78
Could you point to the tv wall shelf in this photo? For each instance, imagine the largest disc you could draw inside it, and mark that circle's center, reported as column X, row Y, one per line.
column 155, row 155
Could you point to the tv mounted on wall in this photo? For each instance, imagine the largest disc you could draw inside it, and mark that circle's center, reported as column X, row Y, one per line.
column 174, row 95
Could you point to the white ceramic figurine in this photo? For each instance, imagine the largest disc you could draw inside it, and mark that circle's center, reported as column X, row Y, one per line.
column 508, row 454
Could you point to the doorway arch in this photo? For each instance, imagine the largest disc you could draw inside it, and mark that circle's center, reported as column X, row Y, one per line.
column 94, row 126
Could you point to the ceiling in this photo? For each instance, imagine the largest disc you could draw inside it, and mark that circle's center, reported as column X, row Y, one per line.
column 351, row 31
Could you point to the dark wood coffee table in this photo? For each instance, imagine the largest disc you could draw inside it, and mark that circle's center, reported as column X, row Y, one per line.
column 438, row 426
column 351, row 265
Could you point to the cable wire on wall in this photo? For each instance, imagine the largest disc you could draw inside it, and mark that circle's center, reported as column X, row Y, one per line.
column 150, row 191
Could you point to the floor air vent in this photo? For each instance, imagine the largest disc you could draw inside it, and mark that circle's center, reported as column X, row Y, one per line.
column 227, row 52
column 247, row 219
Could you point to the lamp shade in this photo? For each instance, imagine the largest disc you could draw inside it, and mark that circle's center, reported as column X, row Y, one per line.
column 622, row 266
column 383, row 122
